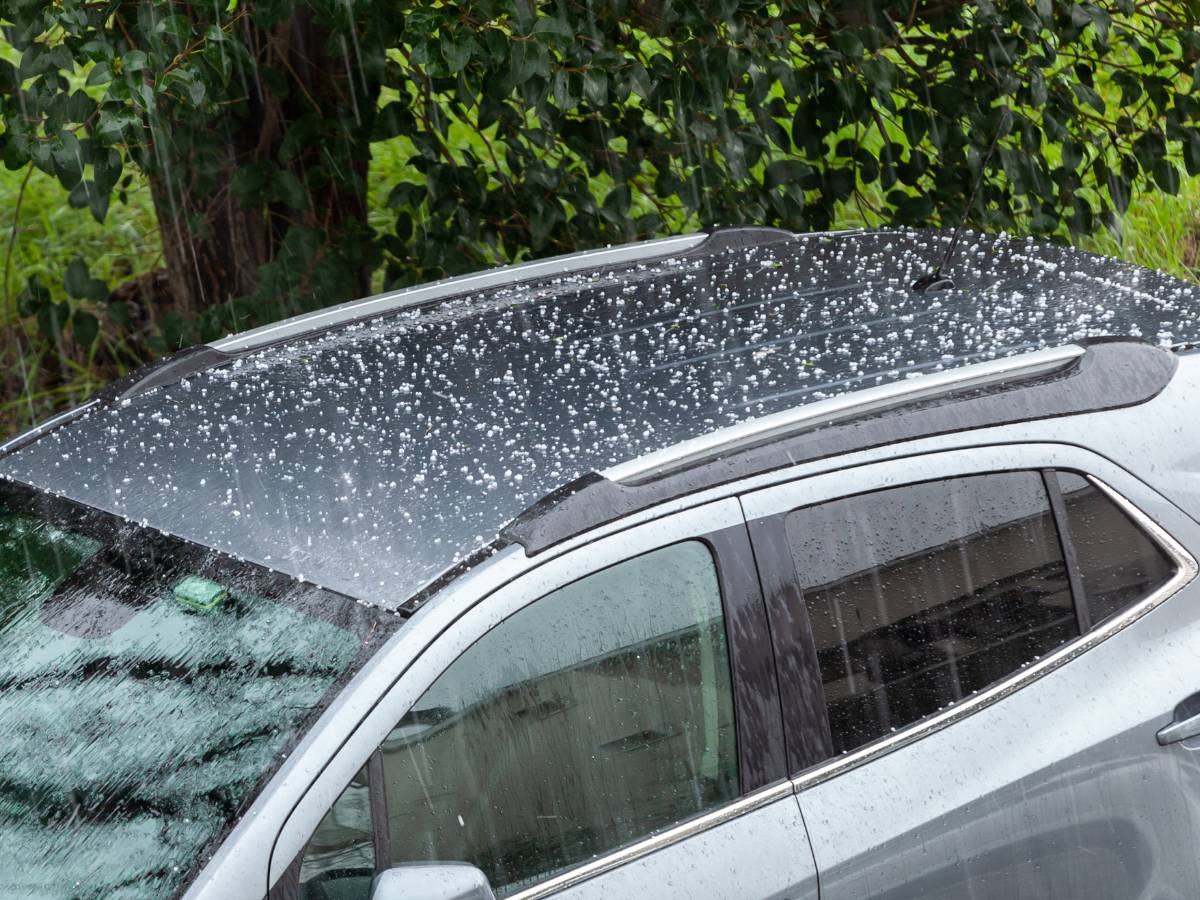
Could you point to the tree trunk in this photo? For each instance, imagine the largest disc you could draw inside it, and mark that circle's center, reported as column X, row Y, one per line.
column 214, row 242
column 213, row 247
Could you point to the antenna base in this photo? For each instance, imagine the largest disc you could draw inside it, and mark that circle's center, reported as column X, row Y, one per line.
column 934, row 281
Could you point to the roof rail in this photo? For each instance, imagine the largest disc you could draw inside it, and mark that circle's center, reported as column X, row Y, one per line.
column 716, row 241
column 857, row 403
column 43, row 428
column 1104, row 374
column 394, row 301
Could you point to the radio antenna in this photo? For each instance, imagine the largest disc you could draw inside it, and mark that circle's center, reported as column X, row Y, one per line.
column 935, row 280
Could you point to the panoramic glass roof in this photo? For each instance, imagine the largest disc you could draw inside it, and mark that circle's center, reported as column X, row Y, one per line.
column 370, row 458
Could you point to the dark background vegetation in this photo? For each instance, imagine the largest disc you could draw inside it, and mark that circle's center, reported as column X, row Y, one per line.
column 243, row 161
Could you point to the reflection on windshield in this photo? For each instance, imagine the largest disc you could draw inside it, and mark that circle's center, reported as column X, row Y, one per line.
column 146, row 687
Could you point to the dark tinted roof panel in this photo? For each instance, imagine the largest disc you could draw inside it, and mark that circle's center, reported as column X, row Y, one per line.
column 372, row 457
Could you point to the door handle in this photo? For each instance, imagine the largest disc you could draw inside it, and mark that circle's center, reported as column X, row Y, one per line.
column 1186, row 722
column 1179, row 731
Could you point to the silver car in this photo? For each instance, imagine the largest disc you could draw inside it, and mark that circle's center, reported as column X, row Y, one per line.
column 646, row 572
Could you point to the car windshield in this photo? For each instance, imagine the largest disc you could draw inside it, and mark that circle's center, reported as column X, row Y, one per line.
column 148, row 686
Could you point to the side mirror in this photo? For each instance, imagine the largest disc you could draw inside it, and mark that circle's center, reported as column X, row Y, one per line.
column 431, row 881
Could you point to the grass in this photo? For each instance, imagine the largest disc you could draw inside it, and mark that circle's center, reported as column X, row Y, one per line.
column 41, row 242
column 1158, row 231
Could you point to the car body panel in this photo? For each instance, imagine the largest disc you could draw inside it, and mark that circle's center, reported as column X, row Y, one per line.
column 1051, row 786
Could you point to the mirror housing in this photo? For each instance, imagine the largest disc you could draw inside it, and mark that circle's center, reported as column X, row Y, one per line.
column 431, row 881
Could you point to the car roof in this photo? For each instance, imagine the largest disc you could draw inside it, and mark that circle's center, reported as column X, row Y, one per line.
column 371, row 456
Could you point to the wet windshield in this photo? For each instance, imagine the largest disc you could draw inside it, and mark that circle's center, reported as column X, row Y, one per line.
column 147, row 687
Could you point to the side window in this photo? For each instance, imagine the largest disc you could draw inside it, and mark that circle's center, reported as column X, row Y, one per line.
column 340, row 858
column 589, row 719
column 920, row 595
column 1117, row 564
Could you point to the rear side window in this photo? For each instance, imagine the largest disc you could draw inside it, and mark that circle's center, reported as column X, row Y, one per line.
column 1117, row 564
column 921, row 595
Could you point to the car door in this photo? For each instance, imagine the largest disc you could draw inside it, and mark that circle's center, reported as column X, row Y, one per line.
column 977, row 653
column 607, row 722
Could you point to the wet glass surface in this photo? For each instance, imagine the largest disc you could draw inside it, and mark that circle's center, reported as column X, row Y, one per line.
column 588, row 720
column 370, row 458
column 339, row 861
column 920, row 596
column 147, row 686
column 1118, row 564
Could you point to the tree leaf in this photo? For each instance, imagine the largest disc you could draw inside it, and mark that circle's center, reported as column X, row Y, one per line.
column 785, row 172
column 1191, row 151
column 51, row 319
column 1166, row 176
column 176, row 26
column 134, row 61
column 288, row 189
column 85, row 328
column 76, row 277
column 456, row 50
column 116, row 123
column 595, row 86
column 68, row 159
column 1087, row 95
column 33, row 297
column 617, row 201
column 80, row 284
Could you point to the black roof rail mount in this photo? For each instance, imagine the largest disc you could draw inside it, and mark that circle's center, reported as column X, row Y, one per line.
column 736, row 237
column 168, row 370
column 577, row 506
column 1111, row 374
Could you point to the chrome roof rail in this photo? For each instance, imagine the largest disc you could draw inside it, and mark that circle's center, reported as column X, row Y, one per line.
column 835, row 409
column 44, row 428
column 393, row 301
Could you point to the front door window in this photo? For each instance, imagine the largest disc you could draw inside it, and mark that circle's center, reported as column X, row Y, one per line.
column 588, row 720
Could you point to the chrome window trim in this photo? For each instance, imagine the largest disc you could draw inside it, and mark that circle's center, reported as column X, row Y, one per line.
column 1185, row 572
column 689, row 828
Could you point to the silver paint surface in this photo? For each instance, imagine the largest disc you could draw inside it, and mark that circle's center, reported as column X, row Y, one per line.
column 1156, row 440
column 372, row 457
column 1050, row 782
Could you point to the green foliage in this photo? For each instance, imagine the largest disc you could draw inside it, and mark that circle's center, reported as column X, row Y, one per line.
column 56, row 319
column 537, row 129
column 646, row 116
